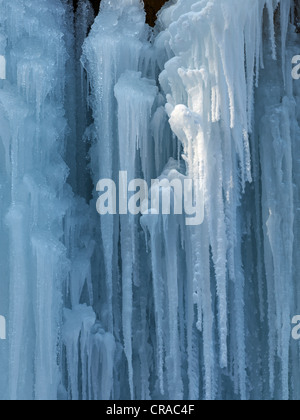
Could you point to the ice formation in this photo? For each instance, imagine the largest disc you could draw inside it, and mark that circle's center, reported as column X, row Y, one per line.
column 131, row 307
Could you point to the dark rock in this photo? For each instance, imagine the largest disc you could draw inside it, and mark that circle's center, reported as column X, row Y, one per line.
column 151, row 7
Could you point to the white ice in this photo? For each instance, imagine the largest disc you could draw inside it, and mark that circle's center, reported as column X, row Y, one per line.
column 131, row 307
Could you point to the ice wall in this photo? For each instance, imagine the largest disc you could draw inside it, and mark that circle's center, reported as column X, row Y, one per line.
column 209, row 85
column 46, row 242
column 34, row 196
column 212, row 63
column 131, row 307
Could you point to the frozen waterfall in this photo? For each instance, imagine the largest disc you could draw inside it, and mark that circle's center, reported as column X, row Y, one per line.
column 149, row 305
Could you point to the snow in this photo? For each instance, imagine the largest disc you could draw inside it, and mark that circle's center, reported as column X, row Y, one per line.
column 151, row 306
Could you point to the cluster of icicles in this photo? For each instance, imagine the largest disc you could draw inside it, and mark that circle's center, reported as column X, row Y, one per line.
column 146, row 307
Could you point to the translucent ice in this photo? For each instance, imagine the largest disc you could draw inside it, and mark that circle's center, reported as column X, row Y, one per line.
column 149, row 307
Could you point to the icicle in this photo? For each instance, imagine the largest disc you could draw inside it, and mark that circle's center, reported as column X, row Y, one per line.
column 121, row 29
column 133, row 93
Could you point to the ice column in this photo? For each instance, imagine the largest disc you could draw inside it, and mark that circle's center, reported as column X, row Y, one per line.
column 214, row 56
column 34, row 198
column 113, row 46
